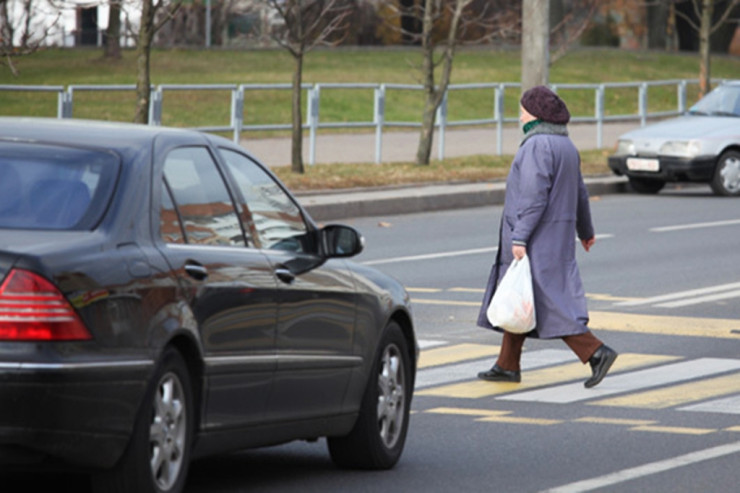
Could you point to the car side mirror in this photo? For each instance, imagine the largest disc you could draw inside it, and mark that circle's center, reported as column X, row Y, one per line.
column 341, row 241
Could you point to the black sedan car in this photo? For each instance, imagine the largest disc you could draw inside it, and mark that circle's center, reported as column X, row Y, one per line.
column 163, row 298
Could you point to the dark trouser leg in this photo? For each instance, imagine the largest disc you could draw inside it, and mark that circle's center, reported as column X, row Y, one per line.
column 584, row 345
column 511, row 351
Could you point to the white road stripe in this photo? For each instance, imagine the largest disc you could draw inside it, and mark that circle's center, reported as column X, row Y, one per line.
column 431, row 256
column 727, row 405
column 429, row 343
column 628, row 382
column 701, row 299
column 680, row 294
column 647, row 469
column 442, row 375
column 695, row 226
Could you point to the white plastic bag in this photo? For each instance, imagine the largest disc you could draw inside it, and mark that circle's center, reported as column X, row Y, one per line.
column 512, row 305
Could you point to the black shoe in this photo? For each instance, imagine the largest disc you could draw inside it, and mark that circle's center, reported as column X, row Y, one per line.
column 600, row 362
column 498, row 374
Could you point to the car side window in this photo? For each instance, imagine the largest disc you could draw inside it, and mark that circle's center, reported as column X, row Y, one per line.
column 277, row 219
column 170, row 227
column 201, row 198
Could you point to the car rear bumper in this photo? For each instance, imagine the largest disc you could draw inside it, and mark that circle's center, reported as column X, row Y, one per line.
column 671, row 169
column 72, row 413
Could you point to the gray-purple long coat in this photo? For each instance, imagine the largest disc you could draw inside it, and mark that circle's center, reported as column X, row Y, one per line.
column 546, row 205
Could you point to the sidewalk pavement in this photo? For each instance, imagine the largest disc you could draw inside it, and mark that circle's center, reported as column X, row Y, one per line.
column 401, row 146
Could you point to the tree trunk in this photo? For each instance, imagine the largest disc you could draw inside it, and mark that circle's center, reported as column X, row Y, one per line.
column 535, row 43
column 704, row 47
column 113, row 33
column 143, row 56
column 297, row 136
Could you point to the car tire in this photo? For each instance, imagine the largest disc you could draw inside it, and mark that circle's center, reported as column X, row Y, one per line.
column 164, row 427
column 726, row 180
column 646, row 185
column 379, row 435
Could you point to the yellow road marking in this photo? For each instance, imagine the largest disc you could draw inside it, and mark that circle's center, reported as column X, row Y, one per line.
column 422, row 301
column 540, row 378
column 655, row 324
column 423, row 290
column 675, row 429
column 608, row 297
column 456, row 353
column 676, row 394
column 614, row 421
column 733, row 428
column 521, row 421
column 467, row 290
column 465, row 411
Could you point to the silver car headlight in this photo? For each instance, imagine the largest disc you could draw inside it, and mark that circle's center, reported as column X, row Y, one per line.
column 681, row 148
column 625, row 148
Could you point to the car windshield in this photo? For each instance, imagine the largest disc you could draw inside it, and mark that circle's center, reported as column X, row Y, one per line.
column 53, row 187
column 724, row 100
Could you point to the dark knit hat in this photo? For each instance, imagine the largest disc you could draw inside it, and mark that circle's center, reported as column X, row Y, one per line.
column 545, row 105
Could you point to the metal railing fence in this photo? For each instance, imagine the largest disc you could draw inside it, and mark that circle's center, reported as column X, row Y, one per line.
column 380, row 119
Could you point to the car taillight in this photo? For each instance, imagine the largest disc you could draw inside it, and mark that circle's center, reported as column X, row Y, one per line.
column 33, row 309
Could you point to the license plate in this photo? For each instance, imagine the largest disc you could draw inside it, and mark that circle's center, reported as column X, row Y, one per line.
column 642, row 164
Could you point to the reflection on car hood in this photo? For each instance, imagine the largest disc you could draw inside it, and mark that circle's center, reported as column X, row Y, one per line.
column 688, row 127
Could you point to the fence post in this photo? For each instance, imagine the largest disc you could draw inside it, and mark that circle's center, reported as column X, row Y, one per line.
column 237, row 112
column 65, row 103
column 599, row 116
column 379, row 119
column 498, row 114
column 155, row 107
column 642, row 103
column 442, row 119
column 313, row 121
column 682, row 97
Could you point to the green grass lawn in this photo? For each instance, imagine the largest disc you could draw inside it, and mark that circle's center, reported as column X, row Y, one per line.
column 64, row 67
column 394, row 65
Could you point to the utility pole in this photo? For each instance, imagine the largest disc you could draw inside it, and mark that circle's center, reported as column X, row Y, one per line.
column 535, row 43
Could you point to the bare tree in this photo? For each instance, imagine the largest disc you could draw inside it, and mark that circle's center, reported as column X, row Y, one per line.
column 24, row 27
column 704, row 10
column 147, row 29
column 300, row 26
column 445, row 24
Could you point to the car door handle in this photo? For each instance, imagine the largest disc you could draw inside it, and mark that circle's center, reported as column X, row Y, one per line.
column 196, row 271
column 284, row 275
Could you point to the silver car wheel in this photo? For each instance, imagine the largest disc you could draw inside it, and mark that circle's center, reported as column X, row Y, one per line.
column 730, row 173
column 391, row 395
column 167, row 433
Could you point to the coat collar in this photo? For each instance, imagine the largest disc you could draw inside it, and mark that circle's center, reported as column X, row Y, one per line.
column 546, row 128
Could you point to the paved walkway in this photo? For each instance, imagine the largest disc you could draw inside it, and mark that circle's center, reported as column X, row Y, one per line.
column 401, row 145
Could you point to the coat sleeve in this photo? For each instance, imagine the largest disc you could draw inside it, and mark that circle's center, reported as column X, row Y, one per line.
column 535, row 183
column 584, row 224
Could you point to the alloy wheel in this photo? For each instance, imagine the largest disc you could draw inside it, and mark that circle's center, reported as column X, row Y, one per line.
column 391, row 395
column 168, row 430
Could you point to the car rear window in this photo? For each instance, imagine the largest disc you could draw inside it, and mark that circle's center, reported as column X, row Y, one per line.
column 54, row 187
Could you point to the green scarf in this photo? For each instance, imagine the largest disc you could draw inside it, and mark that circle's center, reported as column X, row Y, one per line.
column 530, row 125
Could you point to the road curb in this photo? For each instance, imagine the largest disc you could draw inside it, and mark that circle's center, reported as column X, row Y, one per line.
column 381, row 202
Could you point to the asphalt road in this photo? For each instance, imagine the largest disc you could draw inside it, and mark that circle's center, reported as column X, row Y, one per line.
column 663, row 289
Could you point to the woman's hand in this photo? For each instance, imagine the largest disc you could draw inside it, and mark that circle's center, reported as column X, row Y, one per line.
column 587, row 244
column 518, row 251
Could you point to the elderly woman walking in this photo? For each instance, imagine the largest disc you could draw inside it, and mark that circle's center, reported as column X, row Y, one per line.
column 546, row 205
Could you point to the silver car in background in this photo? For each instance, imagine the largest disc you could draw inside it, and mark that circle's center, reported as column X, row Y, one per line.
column 701, row 146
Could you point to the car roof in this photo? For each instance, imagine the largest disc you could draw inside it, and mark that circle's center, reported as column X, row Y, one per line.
column 87, row 133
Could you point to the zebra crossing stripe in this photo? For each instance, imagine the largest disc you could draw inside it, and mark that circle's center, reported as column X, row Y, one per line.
column 677, row 395
column 447, row 374
column 540, row 378
column 630, row 382
column 728, row 405
column 453, row 354
column 665, row 325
